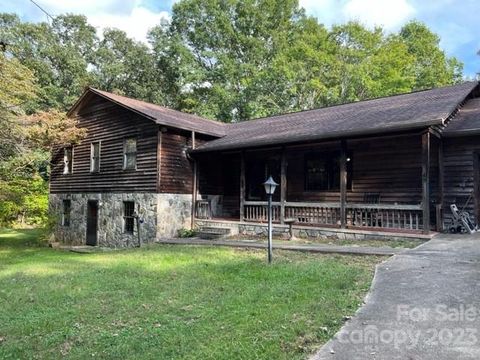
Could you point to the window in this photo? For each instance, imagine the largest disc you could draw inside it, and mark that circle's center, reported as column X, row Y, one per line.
column 322, row 171
column 67, row 207
column 67, row 160
column 95, row 157
column 128, row 218
column 130, row 154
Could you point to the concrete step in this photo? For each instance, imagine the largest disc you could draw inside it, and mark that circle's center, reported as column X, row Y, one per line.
column 211, row 232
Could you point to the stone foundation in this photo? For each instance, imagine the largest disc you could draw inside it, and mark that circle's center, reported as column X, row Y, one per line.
column 174, row 213
column 162, row 214
column 259, row 229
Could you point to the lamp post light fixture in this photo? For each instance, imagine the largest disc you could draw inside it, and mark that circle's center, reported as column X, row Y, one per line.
column 270, row 186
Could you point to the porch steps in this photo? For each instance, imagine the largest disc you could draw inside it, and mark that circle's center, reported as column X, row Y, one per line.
column 212, row 232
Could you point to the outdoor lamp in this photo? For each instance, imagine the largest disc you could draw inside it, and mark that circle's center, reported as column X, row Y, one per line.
column 270, row 186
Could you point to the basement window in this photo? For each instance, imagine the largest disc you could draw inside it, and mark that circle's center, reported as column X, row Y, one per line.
column 66, row 210
column 130, row 154
column 67, row 160
column 128, row 216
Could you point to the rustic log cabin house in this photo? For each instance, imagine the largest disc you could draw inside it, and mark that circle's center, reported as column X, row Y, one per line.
column 388, row 167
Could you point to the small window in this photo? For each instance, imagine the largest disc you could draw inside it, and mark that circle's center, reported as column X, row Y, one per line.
column 130, row 154
column 67, row 207
column 95, row 157
column 67, row 160
column 128, row 218
column 322, row 172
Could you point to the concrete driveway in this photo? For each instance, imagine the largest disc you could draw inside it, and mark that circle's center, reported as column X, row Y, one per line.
column 424, row 304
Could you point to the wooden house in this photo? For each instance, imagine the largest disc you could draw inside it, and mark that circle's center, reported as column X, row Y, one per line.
column 387, row 167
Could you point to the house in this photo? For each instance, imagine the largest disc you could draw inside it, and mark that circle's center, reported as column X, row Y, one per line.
column 387, row 167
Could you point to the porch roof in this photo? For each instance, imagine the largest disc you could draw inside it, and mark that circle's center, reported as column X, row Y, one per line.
column 388, row 114
column 467, row 121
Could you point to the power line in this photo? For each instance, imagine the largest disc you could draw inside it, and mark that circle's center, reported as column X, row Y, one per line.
column 42, row 9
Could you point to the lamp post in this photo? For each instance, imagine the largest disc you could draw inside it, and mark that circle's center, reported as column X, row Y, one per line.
column 270, row 186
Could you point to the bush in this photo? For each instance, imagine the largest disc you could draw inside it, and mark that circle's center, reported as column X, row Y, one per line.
column 24, row 202
column 186, row 233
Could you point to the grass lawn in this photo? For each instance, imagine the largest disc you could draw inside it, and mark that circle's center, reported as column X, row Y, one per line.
column 171, row 302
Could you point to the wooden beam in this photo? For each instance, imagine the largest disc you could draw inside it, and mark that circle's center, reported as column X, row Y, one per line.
column 426, row 181
column 194, row 184
column 343, row 184
column 441, row 196
column 159, row 159
column 476, row 184
column 242, row 186
column 283, row 185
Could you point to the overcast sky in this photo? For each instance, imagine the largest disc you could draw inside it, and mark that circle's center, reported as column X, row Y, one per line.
column 456, row 21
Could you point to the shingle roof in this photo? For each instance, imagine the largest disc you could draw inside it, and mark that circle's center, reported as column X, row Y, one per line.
column 388, row 114
column 165, row 116
column 467, row 120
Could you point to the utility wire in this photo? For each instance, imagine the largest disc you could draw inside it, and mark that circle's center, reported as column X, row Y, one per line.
column 42, row 9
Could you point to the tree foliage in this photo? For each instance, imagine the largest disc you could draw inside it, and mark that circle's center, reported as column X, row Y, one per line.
column 230, row 60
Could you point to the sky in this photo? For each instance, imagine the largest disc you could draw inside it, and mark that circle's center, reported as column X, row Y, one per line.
column 455, row 21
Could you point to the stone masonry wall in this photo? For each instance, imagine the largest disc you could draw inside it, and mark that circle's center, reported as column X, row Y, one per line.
column 174, row 213
column 110, row 218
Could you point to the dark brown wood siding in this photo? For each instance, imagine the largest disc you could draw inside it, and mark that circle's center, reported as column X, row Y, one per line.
column 176, row 168
column 390, row 167
column 458, row 159
column 110, row 124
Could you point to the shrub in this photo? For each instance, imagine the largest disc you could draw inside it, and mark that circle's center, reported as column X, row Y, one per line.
column 186, row 233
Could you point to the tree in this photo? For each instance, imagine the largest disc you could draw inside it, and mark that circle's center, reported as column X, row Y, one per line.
column 59, row 55
column 431, row 66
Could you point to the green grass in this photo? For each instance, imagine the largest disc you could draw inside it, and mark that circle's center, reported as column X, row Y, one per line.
column 171, row 302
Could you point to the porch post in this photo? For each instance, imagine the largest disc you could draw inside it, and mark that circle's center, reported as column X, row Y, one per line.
column 343, row 184
column 283, row 185
column 426, row 181
column 440, row 210
column 242, row 186
column 194, row 185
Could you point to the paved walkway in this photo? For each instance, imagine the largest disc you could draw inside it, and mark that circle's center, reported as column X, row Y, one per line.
column 320, row 248
column 424, row 304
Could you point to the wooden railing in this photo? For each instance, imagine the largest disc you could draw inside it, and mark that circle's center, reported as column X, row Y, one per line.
column 328, row 213
column 385, row 216
column 203, row 209
column 313, row 213
column 258, row 211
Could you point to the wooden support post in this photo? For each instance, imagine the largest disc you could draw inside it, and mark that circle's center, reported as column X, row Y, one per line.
column 426, row 181
column 242, row 186
column 440, row 200
column 343, row 184
column 283, row 185
column 476, row 185
column 194, row 184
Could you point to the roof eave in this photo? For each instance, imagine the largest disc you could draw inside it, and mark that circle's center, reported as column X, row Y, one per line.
column 332, row 135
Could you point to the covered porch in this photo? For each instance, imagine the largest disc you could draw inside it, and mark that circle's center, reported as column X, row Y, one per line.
column 384, row 183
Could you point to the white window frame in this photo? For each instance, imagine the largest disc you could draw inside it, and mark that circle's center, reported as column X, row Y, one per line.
column 67, row 164
column 92, row 158
column 125, row 153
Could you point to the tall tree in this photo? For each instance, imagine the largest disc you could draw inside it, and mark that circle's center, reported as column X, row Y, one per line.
column 59, row 55
column 431, row 65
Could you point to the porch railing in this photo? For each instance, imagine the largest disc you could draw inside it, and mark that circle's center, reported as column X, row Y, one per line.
column 359, row 215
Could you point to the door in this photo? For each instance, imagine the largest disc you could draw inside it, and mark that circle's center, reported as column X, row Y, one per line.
column 92, row 222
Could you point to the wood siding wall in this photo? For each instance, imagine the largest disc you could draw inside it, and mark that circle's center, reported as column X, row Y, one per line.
column 110, row 124
column 390, row 167
column 459, row 174
column 176, row 170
